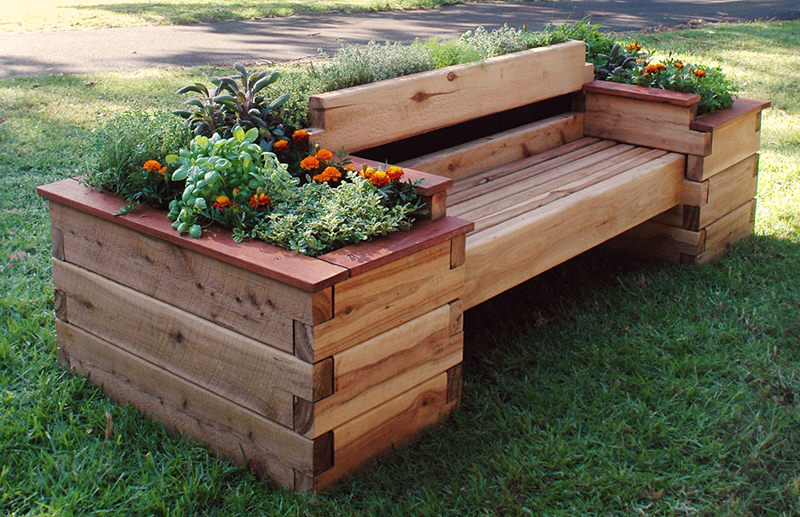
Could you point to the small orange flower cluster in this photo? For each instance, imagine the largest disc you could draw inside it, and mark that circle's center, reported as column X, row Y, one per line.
column 654, row 68
column 260, row 200
column 322, row 159
column 700, row 73
column 221, row 202
column 381, row 178
column 152, row 166
column 635, row 47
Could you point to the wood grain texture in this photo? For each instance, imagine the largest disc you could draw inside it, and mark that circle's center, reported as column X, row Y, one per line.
column 276, row 263
column 235, row 367
column 372, row 303
column 536, row 241
column 716, row 120
column 660, row 241
column 724, row 192
column 56, row 238
column 728, row 230
column 383, row 367
column 630, row 91
column 492, row 151
column 730, row 144
column 232, row 297
column 381, row 252
column 232, row 431
column 386, row 428
column 419, row 103
column 458, row 251
column 639, row 122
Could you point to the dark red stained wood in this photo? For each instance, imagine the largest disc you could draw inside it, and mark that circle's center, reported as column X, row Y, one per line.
column 640, row 92
column 708, row 122
column 370, row 255
column 304, row 272
column 430, row 185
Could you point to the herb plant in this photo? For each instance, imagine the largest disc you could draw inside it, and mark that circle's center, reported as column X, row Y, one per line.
column 237, row 101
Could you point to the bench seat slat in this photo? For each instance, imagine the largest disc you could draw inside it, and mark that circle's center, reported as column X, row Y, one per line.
column 545, row 175
column 504, row 255
column 493, row 216
column 575, row 150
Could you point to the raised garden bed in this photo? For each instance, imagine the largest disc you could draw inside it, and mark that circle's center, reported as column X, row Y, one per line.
column 307, row 368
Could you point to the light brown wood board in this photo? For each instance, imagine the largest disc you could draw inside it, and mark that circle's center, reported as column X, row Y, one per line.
column 387, row 365
column 372, row 303
column 366, row 116
column 492, row 151
column 506, row 255
column 639, row 122
column 232, row 431
column 231, row 365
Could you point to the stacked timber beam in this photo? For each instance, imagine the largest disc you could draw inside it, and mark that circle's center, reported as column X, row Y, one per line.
column 304, row 368
column 717, row 205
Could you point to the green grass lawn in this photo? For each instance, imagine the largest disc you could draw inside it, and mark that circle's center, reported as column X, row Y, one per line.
column 606, row 386
column 51, row 15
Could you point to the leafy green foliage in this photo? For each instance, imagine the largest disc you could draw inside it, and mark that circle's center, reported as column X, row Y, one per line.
column 119, row 149
column 237, row 101
column 235, row 168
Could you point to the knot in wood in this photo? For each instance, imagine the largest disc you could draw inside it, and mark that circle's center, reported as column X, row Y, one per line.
column 451, row 76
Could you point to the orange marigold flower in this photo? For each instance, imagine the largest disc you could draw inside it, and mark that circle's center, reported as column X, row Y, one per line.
column 394, row 172
column 259, row 200
column 280, row 146
column 700, row 73
column 221, row 202
column 330, row 173
column 349, row 168
column 309, row 163
column 678, row 65
column 324, row 155
column 635, row 46
column 661, row 66
column 652, row 68
column 379, row 178
column 366, row 172
column 301, row 135
column 641, row 61
column 154, row 167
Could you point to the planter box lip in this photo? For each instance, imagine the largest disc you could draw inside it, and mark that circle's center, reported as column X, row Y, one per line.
column 709, row 122
column 306, row 273
column 632, row 91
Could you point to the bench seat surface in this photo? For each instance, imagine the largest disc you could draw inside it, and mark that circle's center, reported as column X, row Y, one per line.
column 534, row 213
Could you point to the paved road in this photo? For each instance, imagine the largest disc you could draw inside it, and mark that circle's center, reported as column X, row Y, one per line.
column 282, row 39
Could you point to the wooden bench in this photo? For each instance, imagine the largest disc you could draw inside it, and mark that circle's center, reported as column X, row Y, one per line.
column 583, row 163
column 306, row 369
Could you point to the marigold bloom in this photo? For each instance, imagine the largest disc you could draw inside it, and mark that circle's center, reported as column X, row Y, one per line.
column 366, row 172
column 280, row 146
column 324, row 155
column 154, row 167
column 678, row 65
column 700, row 73
column 661, row 66
column 221, row 202
column 379, row 178
column 652, row 68
column 394, row 172
column 330, row 173
column 299, row 136
column 635, row 46
column 309, row 163
column 259, row 200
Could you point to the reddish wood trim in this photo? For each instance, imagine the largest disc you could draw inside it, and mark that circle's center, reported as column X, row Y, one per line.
column 300, row 271
column 642, row 93
column 430, row 185
column 709, row 122
column 371, row 255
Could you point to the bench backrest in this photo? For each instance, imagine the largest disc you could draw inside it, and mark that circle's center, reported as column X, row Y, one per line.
column 374, row 114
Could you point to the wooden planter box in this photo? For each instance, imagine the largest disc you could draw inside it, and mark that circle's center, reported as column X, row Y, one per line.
column 303, row 368
column 717, row 205
column 306, row 369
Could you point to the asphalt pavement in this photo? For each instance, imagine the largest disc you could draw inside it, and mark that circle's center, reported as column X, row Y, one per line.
column 284, row 39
